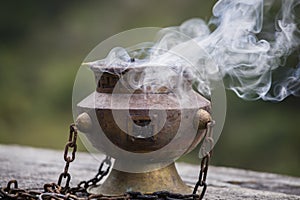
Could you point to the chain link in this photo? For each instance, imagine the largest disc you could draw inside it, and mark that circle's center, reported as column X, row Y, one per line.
column 206, row 152
column 99, row 176
column 56, row 191
column 71, row 145
column 202, row 176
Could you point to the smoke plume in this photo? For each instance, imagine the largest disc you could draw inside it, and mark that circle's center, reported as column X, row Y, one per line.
column 240, row 45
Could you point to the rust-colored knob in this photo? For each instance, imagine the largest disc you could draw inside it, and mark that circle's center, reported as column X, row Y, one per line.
column 84, row 122
column 201, row 119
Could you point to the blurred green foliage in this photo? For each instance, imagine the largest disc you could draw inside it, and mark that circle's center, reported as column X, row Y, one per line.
column 42, row 44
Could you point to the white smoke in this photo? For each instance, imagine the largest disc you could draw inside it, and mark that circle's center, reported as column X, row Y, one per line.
column 250, row 58
column 248, row 63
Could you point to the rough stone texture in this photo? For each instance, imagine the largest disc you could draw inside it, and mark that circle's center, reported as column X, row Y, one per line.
column 33, row 167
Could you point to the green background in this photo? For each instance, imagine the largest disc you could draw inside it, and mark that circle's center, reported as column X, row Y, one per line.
column 42, row 44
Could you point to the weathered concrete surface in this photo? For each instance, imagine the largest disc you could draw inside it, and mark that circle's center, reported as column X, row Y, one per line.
column 33, row 167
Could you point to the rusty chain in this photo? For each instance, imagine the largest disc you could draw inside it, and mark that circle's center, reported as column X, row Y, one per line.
column 71, row 144
column 54, row 191
column 99, row 176
column 202, row 176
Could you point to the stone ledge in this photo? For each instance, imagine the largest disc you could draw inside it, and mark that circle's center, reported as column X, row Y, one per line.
column 33, row 167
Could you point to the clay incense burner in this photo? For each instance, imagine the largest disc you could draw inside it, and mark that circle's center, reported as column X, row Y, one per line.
column 144, row 128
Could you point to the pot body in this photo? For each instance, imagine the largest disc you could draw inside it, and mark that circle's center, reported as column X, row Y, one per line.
column 140, row 124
